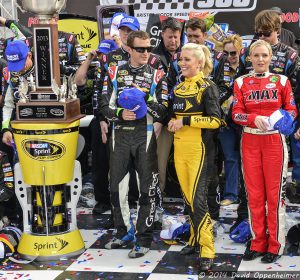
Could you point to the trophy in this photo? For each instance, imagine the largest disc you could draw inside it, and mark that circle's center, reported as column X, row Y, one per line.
column 48, row 98
column 48, row 177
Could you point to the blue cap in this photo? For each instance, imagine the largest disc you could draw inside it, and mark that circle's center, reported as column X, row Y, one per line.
column 286, row 124
column 133, row 100
column 175, row 231
column 107, row 46
column 16, row 53
column 130, row 22
column 242, row 233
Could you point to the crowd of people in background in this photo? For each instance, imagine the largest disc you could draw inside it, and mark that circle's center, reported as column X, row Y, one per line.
column 232, row 112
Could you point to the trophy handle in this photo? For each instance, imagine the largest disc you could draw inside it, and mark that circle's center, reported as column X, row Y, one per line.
column 58, row 5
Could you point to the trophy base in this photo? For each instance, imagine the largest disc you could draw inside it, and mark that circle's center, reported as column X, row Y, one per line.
column 51, row 247
column 49, row 111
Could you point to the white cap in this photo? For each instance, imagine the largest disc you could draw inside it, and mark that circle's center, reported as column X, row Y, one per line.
column 274, row 118
column 114, row 26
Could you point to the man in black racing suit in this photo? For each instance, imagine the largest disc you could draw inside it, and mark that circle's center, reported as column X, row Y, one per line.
column 134, row 140
column 114, row 58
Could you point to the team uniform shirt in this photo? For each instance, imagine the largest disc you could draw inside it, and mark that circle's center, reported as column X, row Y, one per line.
column 261, row 94
column 70, row 51
column 146, row 77
column 11, row 82
column 6, row 178
column 285, row 61
column 117, row 57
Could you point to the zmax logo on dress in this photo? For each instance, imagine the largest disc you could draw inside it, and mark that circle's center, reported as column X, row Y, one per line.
column 43, row 150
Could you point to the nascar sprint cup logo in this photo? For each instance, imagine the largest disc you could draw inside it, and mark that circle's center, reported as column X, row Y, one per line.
column 43, row 150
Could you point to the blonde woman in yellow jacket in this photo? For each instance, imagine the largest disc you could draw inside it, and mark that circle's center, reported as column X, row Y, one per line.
column 196, row 115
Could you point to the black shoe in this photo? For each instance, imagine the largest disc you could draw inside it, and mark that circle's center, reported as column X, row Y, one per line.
column 188, row 250
column 270, row 258
column 252, row 255
column 293, row 192
column 295, row 199
column 206, row 264
column 100, row 208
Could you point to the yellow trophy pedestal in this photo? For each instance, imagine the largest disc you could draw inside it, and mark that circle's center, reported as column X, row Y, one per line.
column 48, row 185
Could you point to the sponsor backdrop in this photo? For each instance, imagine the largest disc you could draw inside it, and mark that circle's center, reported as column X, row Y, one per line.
column 84, row 28
column 239, row 14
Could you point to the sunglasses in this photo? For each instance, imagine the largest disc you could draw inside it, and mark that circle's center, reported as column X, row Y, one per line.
column 234, row 53
column 142, row 49
column 265, row 33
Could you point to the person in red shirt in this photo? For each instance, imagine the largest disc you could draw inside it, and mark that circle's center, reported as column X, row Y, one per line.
column 257, row 96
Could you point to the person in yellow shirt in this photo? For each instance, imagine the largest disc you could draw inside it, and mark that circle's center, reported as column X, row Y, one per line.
column 196, row 117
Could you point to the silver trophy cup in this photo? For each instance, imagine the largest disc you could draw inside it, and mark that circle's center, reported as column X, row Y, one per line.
column 44, row 9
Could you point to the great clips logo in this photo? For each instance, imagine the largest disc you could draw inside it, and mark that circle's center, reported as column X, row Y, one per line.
column 43, row 150
column 226, row 5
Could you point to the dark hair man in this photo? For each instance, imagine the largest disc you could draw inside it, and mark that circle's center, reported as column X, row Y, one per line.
column 170, row 41
column 133, row 139
column 285, row 36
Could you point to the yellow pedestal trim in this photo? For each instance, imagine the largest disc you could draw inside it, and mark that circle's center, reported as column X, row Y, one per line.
column 52, row 246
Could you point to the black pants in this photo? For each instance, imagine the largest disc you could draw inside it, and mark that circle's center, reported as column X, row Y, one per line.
column 242, row 210
column 11, row 208
column 213, row 181
column 100, row 168
column 129, row 144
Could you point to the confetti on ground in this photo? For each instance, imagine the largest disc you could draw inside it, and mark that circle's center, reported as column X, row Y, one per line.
column 219, row 264
column 228, row 249
column 171, row 267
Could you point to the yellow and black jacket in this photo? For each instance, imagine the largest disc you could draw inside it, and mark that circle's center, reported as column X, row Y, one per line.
column 196, row 100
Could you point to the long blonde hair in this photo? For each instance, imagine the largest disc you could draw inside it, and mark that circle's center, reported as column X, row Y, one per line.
column 202, row 53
